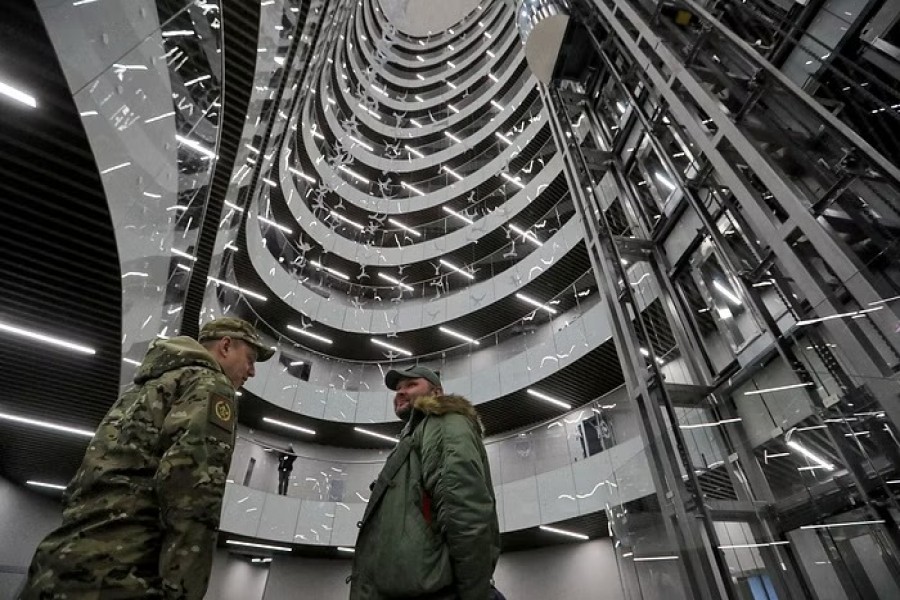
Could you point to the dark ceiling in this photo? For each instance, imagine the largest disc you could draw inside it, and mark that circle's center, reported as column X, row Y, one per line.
column 59, row 268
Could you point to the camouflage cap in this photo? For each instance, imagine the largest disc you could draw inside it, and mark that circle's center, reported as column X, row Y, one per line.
column 392, row 379
column 238, row 329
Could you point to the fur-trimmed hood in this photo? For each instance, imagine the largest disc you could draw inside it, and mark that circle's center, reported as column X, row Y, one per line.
column 442, row 405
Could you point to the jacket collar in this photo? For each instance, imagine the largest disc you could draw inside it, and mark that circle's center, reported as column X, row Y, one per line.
column 442, row 405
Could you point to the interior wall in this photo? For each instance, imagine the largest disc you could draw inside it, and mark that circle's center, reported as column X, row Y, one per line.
column 25, row 518
column 235, row 578
column 585, row 571
column 579, row 571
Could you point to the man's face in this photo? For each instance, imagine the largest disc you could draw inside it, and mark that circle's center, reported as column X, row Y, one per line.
column 407, row 392
column 238, row 360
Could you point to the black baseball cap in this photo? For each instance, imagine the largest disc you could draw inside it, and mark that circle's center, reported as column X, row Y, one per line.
column 393, row 377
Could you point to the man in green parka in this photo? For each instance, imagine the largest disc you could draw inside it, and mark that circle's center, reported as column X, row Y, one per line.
column 430, row 528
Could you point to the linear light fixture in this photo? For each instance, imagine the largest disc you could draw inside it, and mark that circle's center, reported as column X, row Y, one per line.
column 712, row 424
column 452, row 172
column 296, row 363
column 43, row 484
column 362, row 143
column 151, row 119
column 412, row 188
column 810, row 455
column 759, row 545
column 233, row 206
column 579, row 536
column 503, row 138
column 47, row 339
column 527, row 235
column 419, row 75
column 177, row 32
column 451, row 65
column 457, row 334
column 302, row 174
column 370, row 111
column 419, row 58
column 462, row 272
column 513, row 180
column 334, row 272
column 780, row 388
column 346, row 549
column 196, row 146
column 131, row 361
column 847, row 524
column 236, row 288
column 260, row 546
column 316, row 134
column 353, row 173
column 395, row 281
column 17, row 95
column 451, row 84
column 384, row 344
column 453, row 108
column 46, row 425
column 497, row 105
column 493, row 77
column 260, row 560
column 414, row 122
column 491, row 54
column 534, row 302
column 309, row 334
column 289, row 426
column 663, row 180
column 414, row 151
column 453, row 137
column 852, row 314
column 376, row 434
column 652, row 558
column 728, row 293
column 546, row 398
column 397, row 223
column 459, row 216
column 341, row 217
column 183, row 254
column 274, row 224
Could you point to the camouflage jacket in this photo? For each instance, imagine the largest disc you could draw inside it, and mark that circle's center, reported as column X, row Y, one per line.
column 430, row 527
column 140, row 516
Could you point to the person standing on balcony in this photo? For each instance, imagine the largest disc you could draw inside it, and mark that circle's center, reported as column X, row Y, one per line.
column 285, row 467
column 140, row 516
column 430, row 527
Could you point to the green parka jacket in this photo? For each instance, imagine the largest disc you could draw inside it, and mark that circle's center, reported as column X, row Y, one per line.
column 430, row 529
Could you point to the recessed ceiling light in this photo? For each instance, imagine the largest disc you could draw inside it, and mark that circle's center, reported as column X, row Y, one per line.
column 289, row 426
column 42, row 484
column 579, row 536
column 391, row 347
column 309, row 334
column 456, row 334
column 376, row 434
column 534, row 302
column 47, row 339
column 46, row 425
column 546, row 398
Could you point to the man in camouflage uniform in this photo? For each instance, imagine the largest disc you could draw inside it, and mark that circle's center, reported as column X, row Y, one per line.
column 140, row 516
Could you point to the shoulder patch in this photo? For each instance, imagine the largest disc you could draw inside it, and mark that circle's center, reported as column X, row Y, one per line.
column 221, row 412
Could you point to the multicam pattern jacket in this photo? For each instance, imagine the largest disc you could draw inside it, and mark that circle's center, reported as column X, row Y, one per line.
column 140, row 516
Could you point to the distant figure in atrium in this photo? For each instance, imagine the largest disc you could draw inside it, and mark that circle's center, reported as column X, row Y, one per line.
column 430, row 526
column 140, row 516
column 285, row 467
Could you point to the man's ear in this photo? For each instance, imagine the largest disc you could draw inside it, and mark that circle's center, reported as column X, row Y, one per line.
column 438, row 390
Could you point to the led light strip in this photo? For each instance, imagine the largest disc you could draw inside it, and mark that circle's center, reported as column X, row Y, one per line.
column 376, row 434
column 289, row 426
column 309, row 334
column 237, row 288
column 391, row 347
